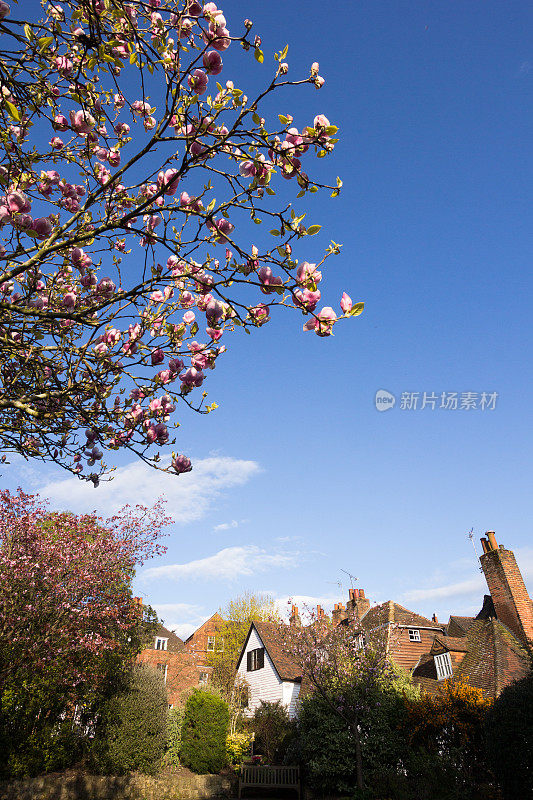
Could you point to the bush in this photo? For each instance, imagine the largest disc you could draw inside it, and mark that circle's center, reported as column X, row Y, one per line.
column 238, row 747
column 204, row 732
column 174, row 723
column 509, row 733
column 132, row 732
column 272, row 727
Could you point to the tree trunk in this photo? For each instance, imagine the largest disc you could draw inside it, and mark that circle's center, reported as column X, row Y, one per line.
column 358, row 756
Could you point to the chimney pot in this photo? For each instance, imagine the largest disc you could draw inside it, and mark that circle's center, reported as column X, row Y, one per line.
column 492, row 539
column 351, row 594
column 485, row 544
column 356, row 594
column 434, row 618
column 361, row 593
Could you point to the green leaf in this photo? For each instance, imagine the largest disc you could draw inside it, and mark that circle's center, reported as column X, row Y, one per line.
column 133, row 58
column 274, row 232
column 268, row 190
column 283, row 55
column 313, row 189
column 256, row 118
column 257, row 221
column 313, row 230
column 15, row 113
column 300, row 194
column 211, row 206
column 44, row 42
column 283, row 119
column 259, row 55
column 356, row 310
column 29, row 32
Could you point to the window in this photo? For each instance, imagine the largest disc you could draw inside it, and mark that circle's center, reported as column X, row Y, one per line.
column 163, row 669
column 359, row 642
column 204, row 677
column 414, row 635
column 443, row 664
column 211, row 644
column 160, row 643
column 220, row 646
column 255, row 659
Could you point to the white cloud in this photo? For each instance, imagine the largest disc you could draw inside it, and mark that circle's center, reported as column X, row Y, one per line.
column 228, row 564
column 306, row 604
column 476, row 585
column 168, row 610
column 189, row 495
column 470, row 586
column 184, row 629
column 226, row 526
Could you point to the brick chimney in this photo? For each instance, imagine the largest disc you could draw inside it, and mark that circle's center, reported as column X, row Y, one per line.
column 357, row 603
column 338, row 613
column 320, row 613
column 294, row 618
column 512, row 603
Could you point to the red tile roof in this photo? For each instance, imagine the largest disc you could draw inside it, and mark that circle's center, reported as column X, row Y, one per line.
column 391, row 612
column 286, row 667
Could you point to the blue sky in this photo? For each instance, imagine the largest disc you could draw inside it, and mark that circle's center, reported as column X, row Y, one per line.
column 297, row 476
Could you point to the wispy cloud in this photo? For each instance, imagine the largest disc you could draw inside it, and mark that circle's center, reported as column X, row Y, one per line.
column 228, row 564
column 189, row 496
column 182, row 618
column 476, row 584
column 473, row 585
column 227, row 526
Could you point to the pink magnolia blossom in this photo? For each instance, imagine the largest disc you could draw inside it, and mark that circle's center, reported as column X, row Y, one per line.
column 212, row 62
column 346, row 303
column 181, row 464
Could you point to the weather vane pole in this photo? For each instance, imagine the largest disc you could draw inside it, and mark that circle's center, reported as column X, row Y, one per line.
column 471, row 537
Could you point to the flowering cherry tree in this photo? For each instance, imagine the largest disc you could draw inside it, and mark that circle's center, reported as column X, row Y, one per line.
column 132, row 178
column 345, row 667
column 65, row 587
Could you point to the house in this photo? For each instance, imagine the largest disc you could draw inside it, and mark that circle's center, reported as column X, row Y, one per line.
column 208, row 637
column 491, row 650
column 184, row 665
column 488, row 651
column 267, row 671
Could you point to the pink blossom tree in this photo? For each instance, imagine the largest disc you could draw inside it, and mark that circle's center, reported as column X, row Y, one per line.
column 65, row 586
column 132, row 177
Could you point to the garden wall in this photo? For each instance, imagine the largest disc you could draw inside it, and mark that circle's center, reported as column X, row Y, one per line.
column 74, row 785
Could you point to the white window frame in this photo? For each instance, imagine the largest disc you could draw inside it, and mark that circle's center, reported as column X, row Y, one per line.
column 443, row 665
column 414, row 635
column 203, row 679
column 161, row 643
column 163, row 668
column 210, row 644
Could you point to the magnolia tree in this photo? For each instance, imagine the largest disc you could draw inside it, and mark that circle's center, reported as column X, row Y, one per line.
column 65, row 588
column 133, row 175
column 343, row 666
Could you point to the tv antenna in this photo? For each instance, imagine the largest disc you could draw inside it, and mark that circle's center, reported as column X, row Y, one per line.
column 352, row 577
column 471, row 537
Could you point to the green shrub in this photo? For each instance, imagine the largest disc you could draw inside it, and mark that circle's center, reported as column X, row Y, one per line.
column 238, row 747
column 174, row 723
column 132, row 732
column 204, row 732
column 509, row 736
column 273, row 728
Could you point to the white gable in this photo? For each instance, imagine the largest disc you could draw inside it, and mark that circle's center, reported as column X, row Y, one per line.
column 265, row 683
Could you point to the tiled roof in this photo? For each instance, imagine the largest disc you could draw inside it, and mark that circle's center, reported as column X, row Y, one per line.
column 455, row 644
column 287, row 669
column 175, row 644
column 391, row 612
column 493, row 659
column 458, row 626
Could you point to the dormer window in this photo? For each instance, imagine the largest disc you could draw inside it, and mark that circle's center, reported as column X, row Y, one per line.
column 160, row 643
column 443, row 663
column 414, row 635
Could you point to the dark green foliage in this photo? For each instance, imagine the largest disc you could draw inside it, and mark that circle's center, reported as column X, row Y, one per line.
column 509, row 727
column 204, row 732
column 273, row 729
column 174, row 724
column 132, row 731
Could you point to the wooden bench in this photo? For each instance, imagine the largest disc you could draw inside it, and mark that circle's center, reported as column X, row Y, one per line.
column 269, row 778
